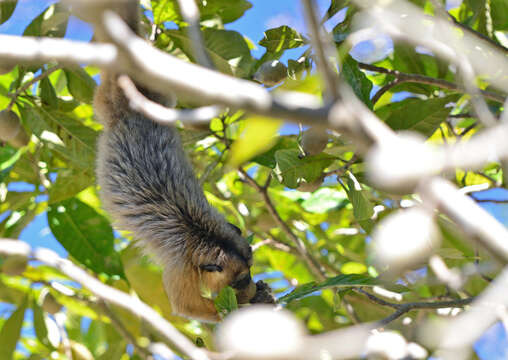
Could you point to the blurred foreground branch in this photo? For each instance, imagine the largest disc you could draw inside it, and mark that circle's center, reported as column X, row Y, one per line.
column 108, row 294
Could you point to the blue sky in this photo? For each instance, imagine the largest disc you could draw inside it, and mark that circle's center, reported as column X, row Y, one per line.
column 264, row 15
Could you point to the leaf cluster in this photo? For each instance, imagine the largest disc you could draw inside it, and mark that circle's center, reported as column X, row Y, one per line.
column 324, row 200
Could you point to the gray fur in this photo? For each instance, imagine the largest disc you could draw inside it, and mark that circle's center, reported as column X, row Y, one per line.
column 149, row 188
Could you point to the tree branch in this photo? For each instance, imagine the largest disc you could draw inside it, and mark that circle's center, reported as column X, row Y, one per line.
column 190, row 14
column 31, row 50
column 160, row 72
column 476, row 33
column 300, row 246
column 163, row 115
column 27, row 85
column 322, row 46
column 106, row 293
column 461, row 331
column 384, row 89
column 401, row 309
column 422, row 79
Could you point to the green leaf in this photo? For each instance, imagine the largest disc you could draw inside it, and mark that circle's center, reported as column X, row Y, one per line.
column 350, row 280
column 86, row 235
column 291, row 169
column 290, row 265
column 63, row 135
column 282, row 38
column 335, row 6
column 323, row 200
column 13, row 225
column 41, row 331
column 226, row 302
column 8, row 157
column 48, row 94
column 227, row 10
column 499, row 13
column 268, row 158
column 227, row 49
column 69, row 182
column 10, row 294
column 257, row 137
column 52, row 22
column 165, row 10
column 353, row 267
column 6, row 10
column 406, row 59
column 359, row 82
column 11, row 331
column 250, row 239
column 362, row 207
column 423, row 116
column 146, row 279
column 80, row 85
column 17, row 201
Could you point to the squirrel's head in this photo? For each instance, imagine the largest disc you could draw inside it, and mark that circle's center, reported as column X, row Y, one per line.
column 214, row 264
column 228, row 265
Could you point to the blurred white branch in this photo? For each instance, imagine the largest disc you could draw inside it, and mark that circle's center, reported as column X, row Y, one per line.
column 404, row 21
column 110, row 295
column 163, row 115
column 396, row 163
column 159, row 71
column 324, row 49
column 460, row 333
column 474, row 220
column 190, row 14
column 30, row 50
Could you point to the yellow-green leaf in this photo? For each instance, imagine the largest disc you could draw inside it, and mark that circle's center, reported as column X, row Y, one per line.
column 258, row 136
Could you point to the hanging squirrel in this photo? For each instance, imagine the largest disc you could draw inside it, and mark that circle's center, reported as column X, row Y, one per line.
column 149, row 188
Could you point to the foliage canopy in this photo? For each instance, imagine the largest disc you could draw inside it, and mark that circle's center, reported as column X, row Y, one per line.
column 323, row 199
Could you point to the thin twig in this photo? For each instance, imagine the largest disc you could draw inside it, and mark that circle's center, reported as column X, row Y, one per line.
column 422, row 79
column 384, row 89
column 276, row 245
column 401, row 309
column 30, row 83
column 343, row 169
column 300, row 246
column 378, row 300
column 461, row 116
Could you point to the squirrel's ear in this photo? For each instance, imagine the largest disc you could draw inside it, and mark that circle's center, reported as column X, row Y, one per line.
column 210, row 267
column 236, row 229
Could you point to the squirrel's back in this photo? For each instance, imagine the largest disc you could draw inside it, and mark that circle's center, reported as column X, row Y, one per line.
column 148, row 187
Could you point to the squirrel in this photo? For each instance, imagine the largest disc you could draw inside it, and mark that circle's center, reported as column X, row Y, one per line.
column 149, row 188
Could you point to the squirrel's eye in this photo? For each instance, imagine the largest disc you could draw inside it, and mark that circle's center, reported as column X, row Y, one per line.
column 210, row 267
